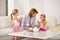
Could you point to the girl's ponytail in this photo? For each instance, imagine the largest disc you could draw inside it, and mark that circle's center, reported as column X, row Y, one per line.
column 15, row 11
column 11, row 17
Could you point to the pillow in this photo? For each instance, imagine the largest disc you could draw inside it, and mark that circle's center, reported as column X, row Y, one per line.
column 4, row 21
column 51, row 21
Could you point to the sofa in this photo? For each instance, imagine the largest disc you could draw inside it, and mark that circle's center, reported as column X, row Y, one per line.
column 5, row 28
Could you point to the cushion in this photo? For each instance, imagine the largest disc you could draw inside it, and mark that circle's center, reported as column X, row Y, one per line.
column 4, row 21
column 5, row 31
column 51, row 21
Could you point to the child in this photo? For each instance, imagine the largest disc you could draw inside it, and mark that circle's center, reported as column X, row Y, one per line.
column 43, row 23
column 16, row 22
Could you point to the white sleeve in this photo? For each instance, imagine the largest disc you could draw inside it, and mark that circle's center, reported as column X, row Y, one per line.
column 20, row 16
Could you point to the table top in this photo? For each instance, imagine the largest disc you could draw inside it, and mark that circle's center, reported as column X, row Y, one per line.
column 40, row 35
column 53, row 31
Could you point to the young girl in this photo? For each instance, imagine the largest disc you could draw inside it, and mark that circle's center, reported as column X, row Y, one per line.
column 43, row 23
column 16, row 22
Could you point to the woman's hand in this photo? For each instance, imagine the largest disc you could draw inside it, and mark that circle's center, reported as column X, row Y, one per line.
column 25, row 25
column 30, row 25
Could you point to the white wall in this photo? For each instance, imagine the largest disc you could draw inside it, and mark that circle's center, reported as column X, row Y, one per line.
column 2, row 7
column 49, row 7
column 52, row 8
column 39, row 5
column 22, row 5
column 10, row 6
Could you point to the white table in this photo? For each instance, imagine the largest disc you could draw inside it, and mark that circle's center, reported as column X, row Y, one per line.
column 39, row 35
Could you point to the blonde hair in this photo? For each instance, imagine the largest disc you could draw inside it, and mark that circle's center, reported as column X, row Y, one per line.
column 13, row 13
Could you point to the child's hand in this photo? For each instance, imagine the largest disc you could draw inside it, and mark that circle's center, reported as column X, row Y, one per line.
column 25, row 25
column 38, row 24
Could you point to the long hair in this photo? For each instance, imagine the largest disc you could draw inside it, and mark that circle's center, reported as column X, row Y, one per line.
column 32, row 11
column 14, row 11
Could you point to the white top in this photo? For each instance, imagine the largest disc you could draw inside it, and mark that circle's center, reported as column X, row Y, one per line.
column 41, row 24
column 16, row 23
